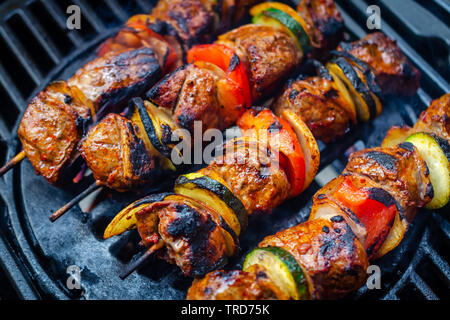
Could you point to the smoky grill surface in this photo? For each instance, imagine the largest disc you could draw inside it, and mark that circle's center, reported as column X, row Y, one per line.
column 36, row 48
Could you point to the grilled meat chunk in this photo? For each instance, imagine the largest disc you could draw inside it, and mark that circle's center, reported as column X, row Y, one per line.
column 190, row 93
column 253, row 175
column 399, row 170
column 235, row 285
column 109, row 81
column 394, row 72
column 52, row 127
column 436, row 118
column 271, row 55
column 325, row 25
column 116, row 156
column 317, row 102
column 192, row 19
column 193, row 238
column 332, row 258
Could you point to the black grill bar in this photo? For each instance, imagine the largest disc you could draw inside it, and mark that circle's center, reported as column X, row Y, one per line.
column 60, row 19
column 21, row 54
column 90, row 15
column 117, row 9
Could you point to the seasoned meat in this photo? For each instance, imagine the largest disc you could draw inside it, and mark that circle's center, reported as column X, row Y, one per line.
column 436, row 119
column 318, row 104
column 109, row 81
column 252, row 174
column 325, row 24
column 146, row 31
column 117, row 158
column 270, row 52
column 191, row 94
column 235, row 285
column 192, row 19
column 52, row 127
column 192, row 237
column 400, row 170
column 330, row 255
column 395, row 73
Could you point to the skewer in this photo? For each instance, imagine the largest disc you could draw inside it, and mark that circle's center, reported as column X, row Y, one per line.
column 57, row 214
column 16, row 160
column 142, row 259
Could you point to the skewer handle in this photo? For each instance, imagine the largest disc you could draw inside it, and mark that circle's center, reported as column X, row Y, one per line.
column 142, row 259
column 16, row 160
column 57, row 214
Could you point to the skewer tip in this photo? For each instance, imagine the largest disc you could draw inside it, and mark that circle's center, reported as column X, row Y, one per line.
column 14, row 161
column 142, row 259
column 61, row 211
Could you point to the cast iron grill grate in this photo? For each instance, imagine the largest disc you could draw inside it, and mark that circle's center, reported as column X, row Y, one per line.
column 36, row 47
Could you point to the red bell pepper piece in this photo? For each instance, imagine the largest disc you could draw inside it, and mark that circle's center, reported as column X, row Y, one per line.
column 282, row 138
column 376, row 216
column 235, row 86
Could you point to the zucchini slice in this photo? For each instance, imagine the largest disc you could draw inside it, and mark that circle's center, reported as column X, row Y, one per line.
column 215, row 194
column 282, row 269
column 126, row 220
column 365, row 105
column 436, row 153
column 294, row 28
column 158, row 125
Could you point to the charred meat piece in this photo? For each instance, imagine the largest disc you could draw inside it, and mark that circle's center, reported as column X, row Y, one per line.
column 193, row 239
column 394, row 72
column 109, row 81
column 271, row 55
column 235, row 285
column 115, row 154
column 400, row 170
column 253, row 175
column 192, row 19
column 330, row 255
column 190, row 93
column 325, row 24
column 317, row 102
column 52, row 127
column 436, row 118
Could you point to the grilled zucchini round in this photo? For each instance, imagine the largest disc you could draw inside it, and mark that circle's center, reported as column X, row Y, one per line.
column 215, row 194
column 282, row 269
column 436, row 153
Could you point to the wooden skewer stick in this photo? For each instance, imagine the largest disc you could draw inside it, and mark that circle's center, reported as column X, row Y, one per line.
column 57, row 214
column 142, row 259
column 19, row 157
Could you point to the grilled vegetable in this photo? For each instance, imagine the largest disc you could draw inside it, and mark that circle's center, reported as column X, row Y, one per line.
column 374, row 207
column 126, row 219
column 309, row 146
column 396, row 135
column 266, row 12
column 366, row 106
column 216, row 194
column 159, row 127
column 282, row 269
column 234, row 89
column 281, row 138
column 436, row 153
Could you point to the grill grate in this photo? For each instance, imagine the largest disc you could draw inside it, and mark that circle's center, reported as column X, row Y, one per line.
column 37, row 47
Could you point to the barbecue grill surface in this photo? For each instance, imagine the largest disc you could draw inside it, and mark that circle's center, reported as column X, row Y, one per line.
column 35, row 254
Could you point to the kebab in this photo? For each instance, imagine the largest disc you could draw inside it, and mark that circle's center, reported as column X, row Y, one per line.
column 155, row 216
column 221, row 81
column 357, row 217
column 127, row 65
